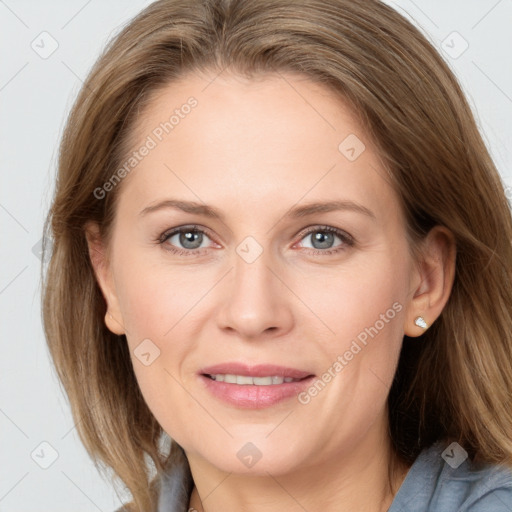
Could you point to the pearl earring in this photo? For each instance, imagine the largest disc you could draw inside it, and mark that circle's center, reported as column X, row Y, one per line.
column 420, row 322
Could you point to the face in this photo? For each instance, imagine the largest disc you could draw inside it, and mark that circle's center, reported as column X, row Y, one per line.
column 268, row 286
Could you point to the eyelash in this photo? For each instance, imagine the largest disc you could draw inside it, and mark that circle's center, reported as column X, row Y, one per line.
column 347, row 240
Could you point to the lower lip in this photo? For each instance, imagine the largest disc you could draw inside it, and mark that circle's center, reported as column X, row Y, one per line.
column 247, row 396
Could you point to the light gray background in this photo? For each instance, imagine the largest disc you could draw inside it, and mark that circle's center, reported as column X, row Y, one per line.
column 35, row 96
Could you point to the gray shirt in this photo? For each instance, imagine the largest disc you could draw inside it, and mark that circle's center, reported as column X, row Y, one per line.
column 440, row 480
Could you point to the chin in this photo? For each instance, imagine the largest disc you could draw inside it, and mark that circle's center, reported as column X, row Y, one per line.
column 259, row 457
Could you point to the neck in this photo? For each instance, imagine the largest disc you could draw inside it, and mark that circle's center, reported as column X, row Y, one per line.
column 358, row 479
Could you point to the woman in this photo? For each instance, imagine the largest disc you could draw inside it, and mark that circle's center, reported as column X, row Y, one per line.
column 280, row 242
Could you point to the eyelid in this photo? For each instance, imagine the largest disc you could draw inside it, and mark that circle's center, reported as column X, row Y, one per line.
column 186, row 227
column 162, row 239
column 346, row 238
column 331, row 229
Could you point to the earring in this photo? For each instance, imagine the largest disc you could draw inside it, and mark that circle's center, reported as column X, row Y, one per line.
column 420, row 322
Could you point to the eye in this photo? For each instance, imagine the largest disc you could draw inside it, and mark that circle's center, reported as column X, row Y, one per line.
column 322, row 239
column 190, row 238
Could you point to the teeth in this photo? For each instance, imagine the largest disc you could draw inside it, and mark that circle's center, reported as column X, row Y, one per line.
column 246, row 380
column 243, row 379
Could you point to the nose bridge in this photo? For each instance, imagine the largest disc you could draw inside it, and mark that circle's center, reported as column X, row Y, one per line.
column 253, row 271
column 255, row 301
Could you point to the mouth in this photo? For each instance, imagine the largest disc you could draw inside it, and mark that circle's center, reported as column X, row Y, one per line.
column 253, row 387
column 247, row 380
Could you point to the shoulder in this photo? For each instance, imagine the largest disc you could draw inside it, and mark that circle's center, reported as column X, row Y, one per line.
column 488, row 489
column 443, row 479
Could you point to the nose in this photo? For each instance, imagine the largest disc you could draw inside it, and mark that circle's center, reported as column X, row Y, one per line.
column 257, row 300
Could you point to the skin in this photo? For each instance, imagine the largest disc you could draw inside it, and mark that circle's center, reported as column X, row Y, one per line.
column 253, row 149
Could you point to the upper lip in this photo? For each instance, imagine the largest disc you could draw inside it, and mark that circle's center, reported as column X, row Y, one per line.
column 260, row 370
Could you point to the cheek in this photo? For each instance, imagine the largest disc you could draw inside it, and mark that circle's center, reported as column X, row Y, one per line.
column 338, row 306
column 156, row 302
column 156, row 305
column 155, row 297
column 346, row 302
column 364, row 307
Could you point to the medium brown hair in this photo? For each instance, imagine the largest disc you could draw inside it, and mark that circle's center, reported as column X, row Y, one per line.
column 454, row 382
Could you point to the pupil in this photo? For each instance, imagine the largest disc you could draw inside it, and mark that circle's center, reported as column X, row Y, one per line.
column 188, row 239
column 324, row 238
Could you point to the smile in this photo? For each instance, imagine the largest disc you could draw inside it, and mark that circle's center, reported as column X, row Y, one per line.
column 247, row 380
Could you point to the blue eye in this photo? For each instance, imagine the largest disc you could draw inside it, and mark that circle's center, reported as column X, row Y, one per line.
column 189, row 238
column 192, row 240
column 322, row 238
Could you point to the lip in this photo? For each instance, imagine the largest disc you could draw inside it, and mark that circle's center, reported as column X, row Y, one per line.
column 260, row 370
column 252, row 396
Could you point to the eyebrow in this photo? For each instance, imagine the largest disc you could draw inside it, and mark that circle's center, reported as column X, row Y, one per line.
column 297, row 212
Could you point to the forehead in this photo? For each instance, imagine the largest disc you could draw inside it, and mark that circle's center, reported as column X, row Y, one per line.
column 228, row 140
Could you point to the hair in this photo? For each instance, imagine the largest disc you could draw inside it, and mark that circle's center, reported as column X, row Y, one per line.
column 455, row 381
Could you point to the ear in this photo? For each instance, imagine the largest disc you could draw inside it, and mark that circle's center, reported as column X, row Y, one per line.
column 102, row 270
column 432, row 281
